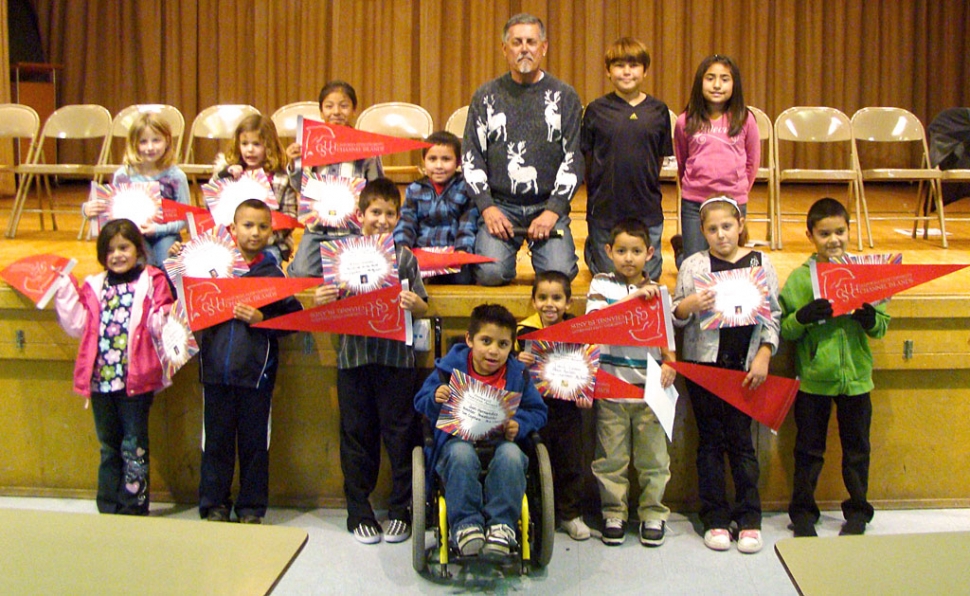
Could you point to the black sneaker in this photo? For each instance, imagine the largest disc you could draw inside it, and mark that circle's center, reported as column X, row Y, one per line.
column 367, row 532
column 652, row 532
column 397, row 530
column 804, row 528
column 218, row 514
column 614, row 531
column 250, row 519
column 853, row 527
column 499, row 541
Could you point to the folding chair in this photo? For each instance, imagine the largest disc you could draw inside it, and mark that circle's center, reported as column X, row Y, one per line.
column 668, row 173
column 766, row 174
column 217, row 122
column 817, row 125
column 286, row 117
column 896, row 125
column 75, row 122
column 949, row 138
column 456, row 122
column 397, row 119
column 18, row 122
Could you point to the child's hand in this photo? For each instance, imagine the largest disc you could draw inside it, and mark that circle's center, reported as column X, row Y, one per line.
column 584, row 403
column 235, row 171
column 247, row 314
column 759, row 369
column 814, row 312
column 175, row 249
column 511, row 430
column 324, row 295
column 648, row 291
column 92, row 208
column 527, row 358
column 696, row 303
column 411, row 301
column 667, row 375
column 293, row 151
column 441, row 394
column 148, row 229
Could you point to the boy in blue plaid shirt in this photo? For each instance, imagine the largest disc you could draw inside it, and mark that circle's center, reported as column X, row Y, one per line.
column 436, row 210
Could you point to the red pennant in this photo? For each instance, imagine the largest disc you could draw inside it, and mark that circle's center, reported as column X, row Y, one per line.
column 374, row 314
column 323, row 144
column 282, row 221
column 209, row 301
column 768, row 404
column 175, row 211
column 612, row 387
column 433, row 261
column 634, row 322
column 35, row 276
column 848, row 286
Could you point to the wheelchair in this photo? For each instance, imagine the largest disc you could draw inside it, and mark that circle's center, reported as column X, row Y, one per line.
column 536, row 526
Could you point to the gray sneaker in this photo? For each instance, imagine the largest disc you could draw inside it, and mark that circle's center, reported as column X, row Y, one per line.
column 469, row 540
column 499, row 541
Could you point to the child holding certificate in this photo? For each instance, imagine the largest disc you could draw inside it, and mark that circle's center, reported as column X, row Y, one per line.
column 150, row 157
column 437, row 212
column 115, row 314
column 482, row 519
column 256, row 146
column 722, row 428
column 551, row 297
column 238, row 372
column 338, row 105
column 375, row 384
column 622, row 425
column 833, row 361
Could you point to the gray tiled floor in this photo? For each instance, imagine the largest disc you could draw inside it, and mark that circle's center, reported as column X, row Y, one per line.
column 333, row 563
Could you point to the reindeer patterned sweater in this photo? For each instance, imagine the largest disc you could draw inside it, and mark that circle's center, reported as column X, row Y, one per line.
column 521, row 144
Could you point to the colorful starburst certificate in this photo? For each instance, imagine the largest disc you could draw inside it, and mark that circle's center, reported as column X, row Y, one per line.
column 328, row 201
column 175, row 343
column 876, row 259
column 212, row 254
column 474, row 410
column 565, row 371
column 139, row 202
column 224, row 195
column 741, row 297
column 359, row 264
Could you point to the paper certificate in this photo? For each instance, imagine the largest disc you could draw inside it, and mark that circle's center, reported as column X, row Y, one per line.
column 175, row 344
column 741, row 297
column 328, row 201
column 359, row 264
column 877, row 259
column 565, row 371
column 662, row 400
column 225, row 194
column 139, row 202
column 475, row 410
column 212, row 254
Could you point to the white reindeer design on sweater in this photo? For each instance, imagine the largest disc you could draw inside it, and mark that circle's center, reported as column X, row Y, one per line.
column 473, row 177
column 496, row 122
column 518, row 174
column 481, row 128
column 565, row 178
column 553, row 117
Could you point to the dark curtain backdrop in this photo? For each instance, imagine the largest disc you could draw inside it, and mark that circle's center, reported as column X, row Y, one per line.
column 196, row 53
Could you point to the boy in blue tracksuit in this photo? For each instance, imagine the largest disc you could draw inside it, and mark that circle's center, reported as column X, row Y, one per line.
column 237, row 369
column 482, row 521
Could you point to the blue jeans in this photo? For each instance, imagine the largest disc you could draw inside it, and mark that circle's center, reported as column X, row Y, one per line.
column 459, row 468
column 553, row 254
column 598, row 262
column 690, row 226
column 121, row 423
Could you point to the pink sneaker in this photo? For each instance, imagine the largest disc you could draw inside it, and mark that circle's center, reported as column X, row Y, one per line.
column 749, row 541
column 717, row 539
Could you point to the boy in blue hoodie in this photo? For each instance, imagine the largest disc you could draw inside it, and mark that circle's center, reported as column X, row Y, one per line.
column 237, row 368
column 483, row 521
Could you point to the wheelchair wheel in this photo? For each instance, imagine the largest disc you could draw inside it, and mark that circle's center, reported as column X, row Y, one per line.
column 419, row 509
column 546, row 535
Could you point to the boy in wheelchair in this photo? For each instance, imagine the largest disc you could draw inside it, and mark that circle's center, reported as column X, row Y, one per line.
column 483, row 519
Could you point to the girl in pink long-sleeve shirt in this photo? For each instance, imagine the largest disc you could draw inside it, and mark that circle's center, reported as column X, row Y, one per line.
column 717, row 146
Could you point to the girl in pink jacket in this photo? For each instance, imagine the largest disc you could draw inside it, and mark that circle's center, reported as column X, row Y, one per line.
column 115, row 314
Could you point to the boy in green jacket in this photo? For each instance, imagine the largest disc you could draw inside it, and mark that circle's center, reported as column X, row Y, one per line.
column 834, row 363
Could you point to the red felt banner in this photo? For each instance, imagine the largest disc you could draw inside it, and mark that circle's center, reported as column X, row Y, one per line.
column 768, row 404
column 175, row 211
column 282, row 221
column 35, row 276
column 848, row 286
column 209, row 301
column 636, row 322
column 612, row 387
column 322, row 144
column 431, row 261
column 374, row 314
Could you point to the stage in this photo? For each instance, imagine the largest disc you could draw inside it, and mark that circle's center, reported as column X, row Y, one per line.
column 921, row 399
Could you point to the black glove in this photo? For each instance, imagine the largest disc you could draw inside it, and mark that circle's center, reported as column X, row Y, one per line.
column 814, row 311
column 865, row 315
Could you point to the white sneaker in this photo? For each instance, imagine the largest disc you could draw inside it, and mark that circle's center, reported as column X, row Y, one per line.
column 576, row 528
column 749, row 541
column 717, row 539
